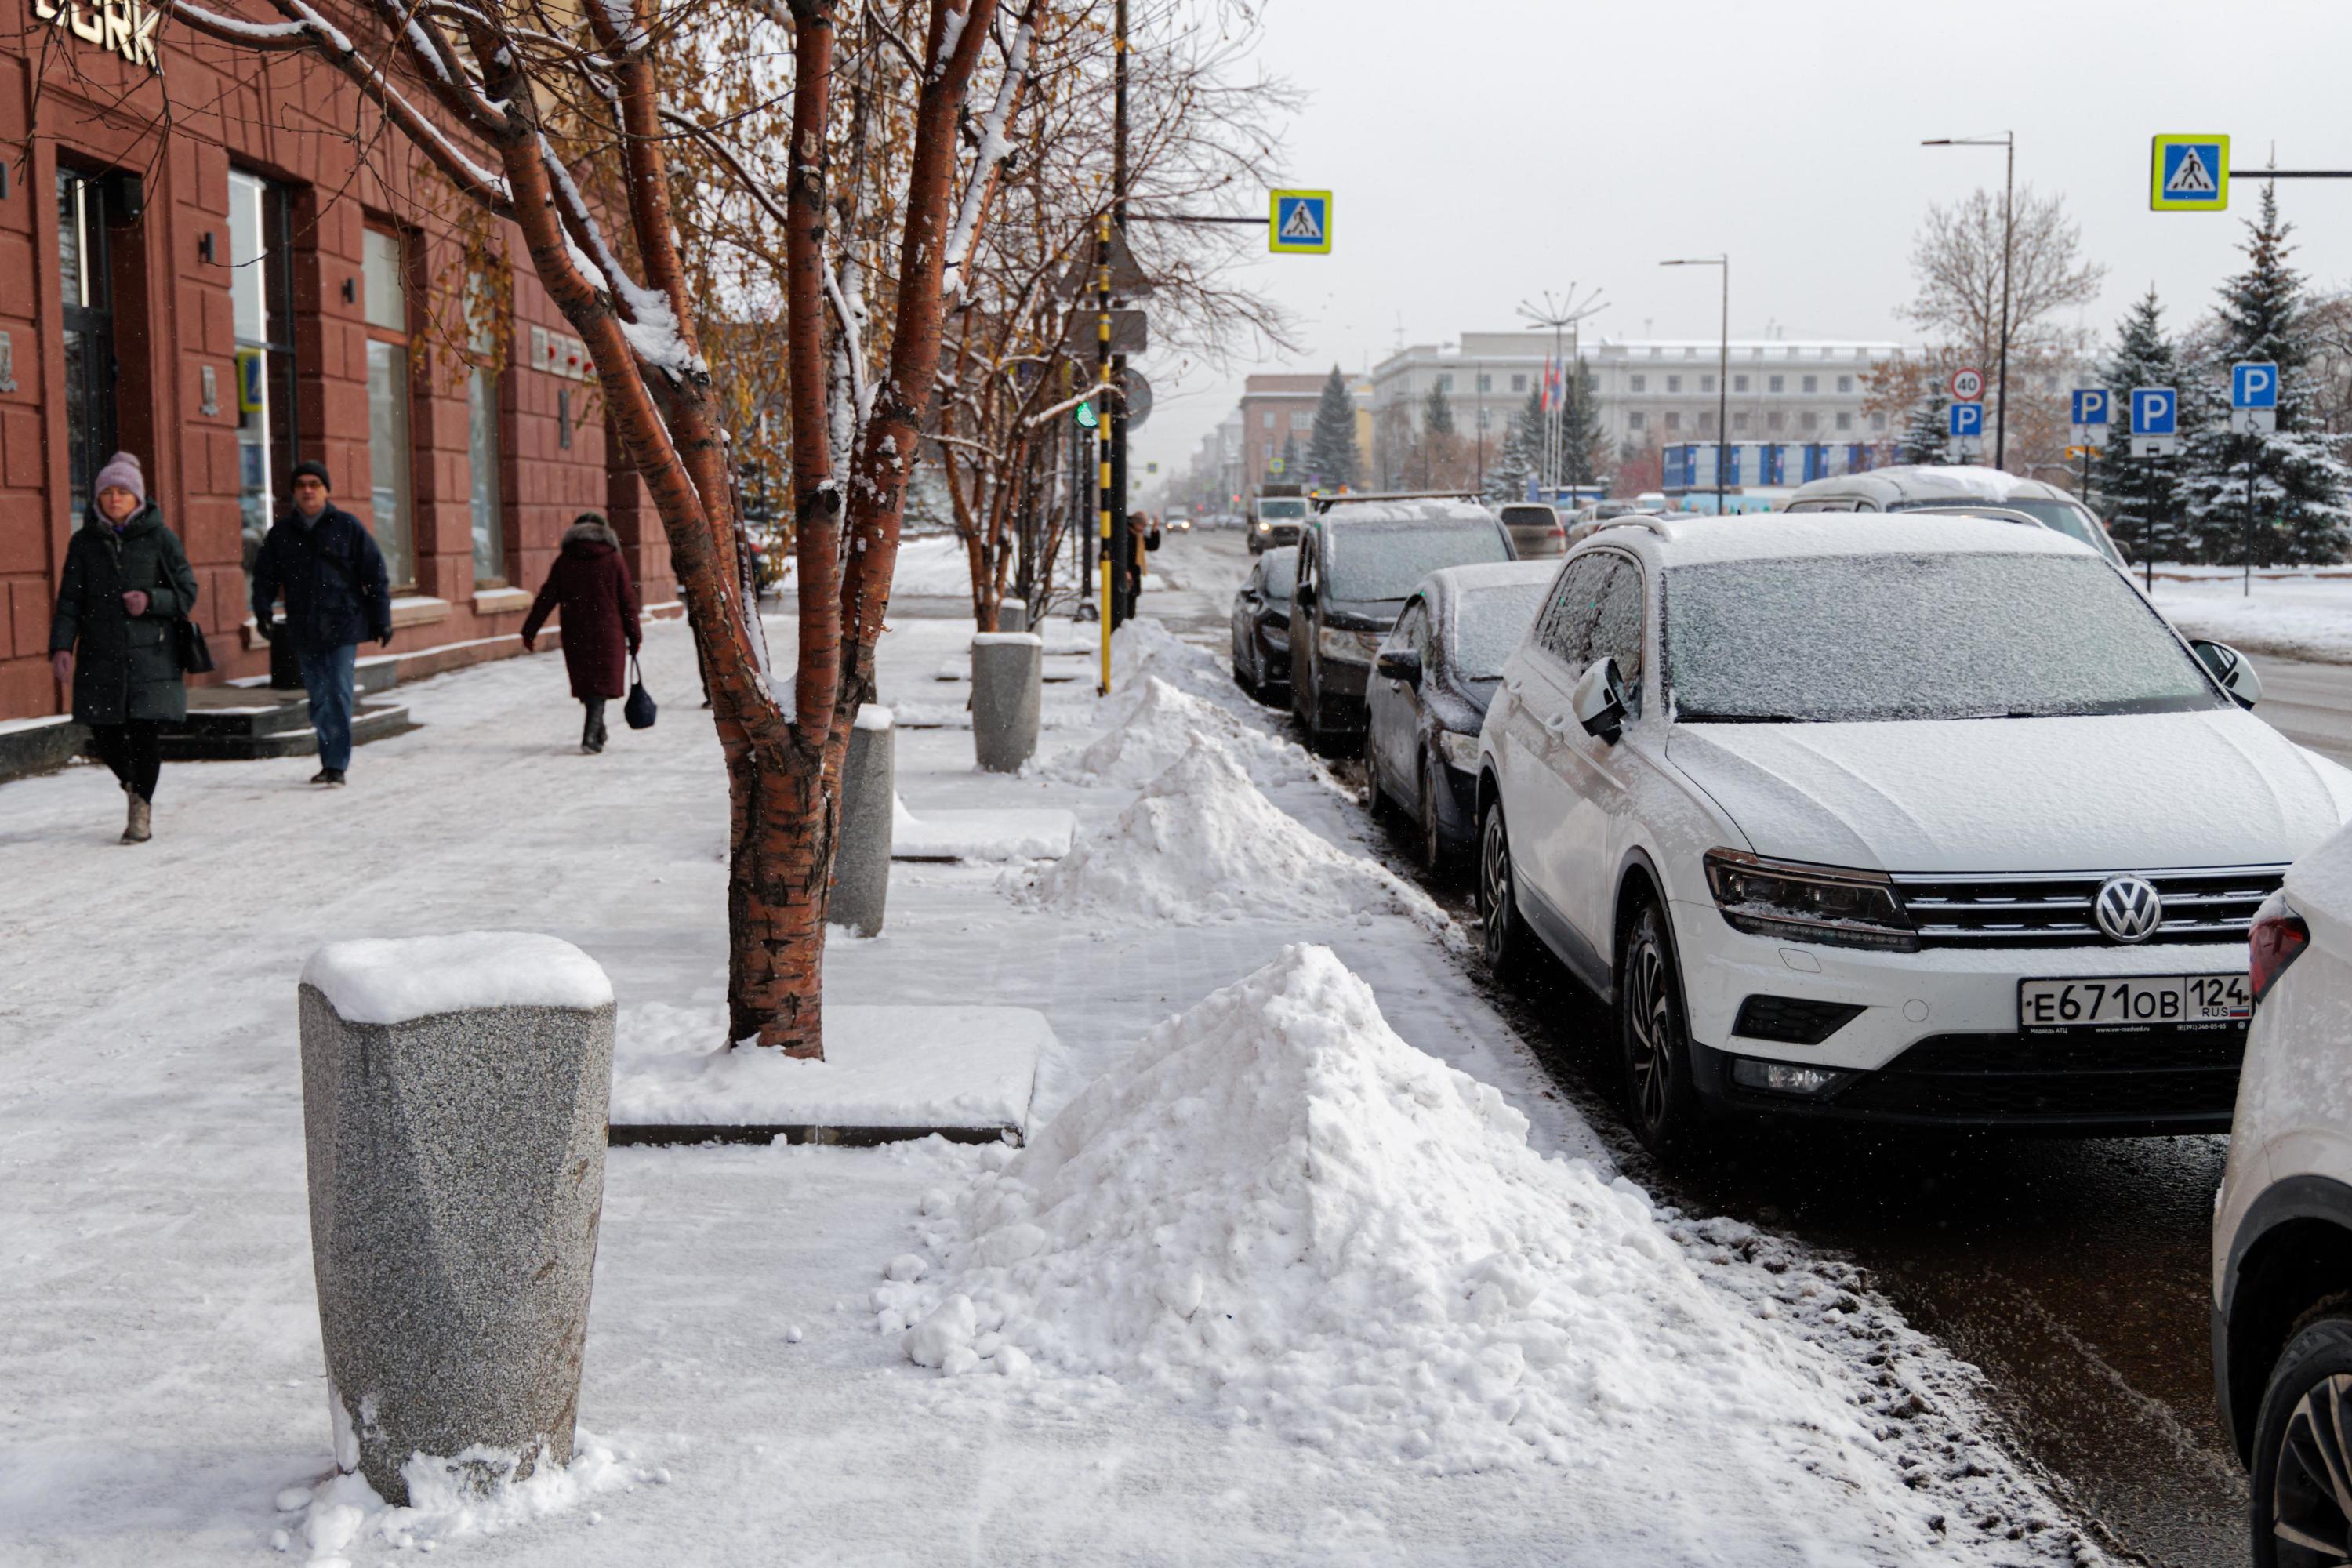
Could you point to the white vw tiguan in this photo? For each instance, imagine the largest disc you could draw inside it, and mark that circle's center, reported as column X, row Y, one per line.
column 1921, row 818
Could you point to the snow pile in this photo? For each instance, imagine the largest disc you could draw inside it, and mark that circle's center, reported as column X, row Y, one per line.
column 1160, row 725
column 394, row 981
column 1202, row 842
column 1279, row 1208
column 1143, row 647
column 343, row 1511
column 2305, row 616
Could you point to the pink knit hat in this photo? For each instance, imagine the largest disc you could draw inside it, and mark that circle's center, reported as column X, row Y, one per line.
column 121, row 473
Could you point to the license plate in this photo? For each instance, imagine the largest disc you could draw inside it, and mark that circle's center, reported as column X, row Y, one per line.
column 2133, row 1002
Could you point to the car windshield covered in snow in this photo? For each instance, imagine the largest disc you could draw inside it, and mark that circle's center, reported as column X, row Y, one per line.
column 1281, row 571
column 1385, row 560
column 1488, row 623
column 1963, row 636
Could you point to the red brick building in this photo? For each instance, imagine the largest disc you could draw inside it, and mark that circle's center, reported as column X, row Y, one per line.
column 202, row 263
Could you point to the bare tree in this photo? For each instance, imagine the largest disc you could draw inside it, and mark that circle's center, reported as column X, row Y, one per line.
column 1957, row 260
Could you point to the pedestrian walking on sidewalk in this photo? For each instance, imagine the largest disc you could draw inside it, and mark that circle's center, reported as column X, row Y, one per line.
column 590, row 584
column 126, row 582
column 336, row 594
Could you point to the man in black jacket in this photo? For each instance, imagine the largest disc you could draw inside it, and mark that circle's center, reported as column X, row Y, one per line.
column 336, row 593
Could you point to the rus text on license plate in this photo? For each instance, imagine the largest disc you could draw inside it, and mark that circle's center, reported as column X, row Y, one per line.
column 2133, row 1002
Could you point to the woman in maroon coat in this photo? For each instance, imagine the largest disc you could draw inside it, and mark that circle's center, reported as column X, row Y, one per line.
column 590, row 584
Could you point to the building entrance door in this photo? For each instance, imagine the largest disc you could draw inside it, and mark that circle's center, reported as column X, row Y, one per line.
column 91, row 369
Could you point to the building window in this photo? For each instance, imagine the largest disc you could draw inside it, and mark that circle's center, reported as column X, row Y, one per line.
column 1813, row 384
column 1845, row 421
column 1740, row 423
column 1878, row 422
column 1707, row 384
column 1269, row 418
column 1485, row 382
column 1638, row 384
column 261, row 304
column 1808, row 421
column 563, row 417
column 82, row 265
column 1673, row 420
column 1776, row 421
column 1846, row 383
column 1706, row 421
column 1674, row 383
column 1776, row 384
column 1738, row 384
column 484, row 451
column 1591, row 381
column 1519, row 383
column 385, row 277
column 1636, row 420
column 1445, row 381
column 1301, row 419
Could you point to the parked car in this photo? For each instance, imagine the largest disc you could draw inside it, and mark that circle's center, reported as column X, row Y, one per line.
column 1358, row 563
column 2283, row 1220
column 1925, row 821
column 1434, row 677
column 1536, row 530
column 1911, row 485
column 1261, row 624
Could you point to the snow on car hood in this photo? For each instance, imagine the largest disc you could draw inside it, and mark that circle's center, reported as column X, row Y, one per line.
column 2142, row 791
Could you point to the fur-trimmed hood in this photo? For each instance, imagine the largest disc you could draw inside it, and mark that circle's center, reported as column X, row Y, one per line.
column 585, row 532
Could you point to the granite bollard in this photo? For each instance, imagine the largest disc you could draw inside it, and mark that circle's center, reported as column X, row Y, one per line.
column 455, row 1090
column 861, row 854
column 1012, row 615
column 1008, row 673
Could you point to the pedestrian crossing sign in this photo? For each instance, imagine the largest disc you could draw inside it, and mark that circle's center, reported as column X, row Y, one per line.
column 2190, row 174
column 1300, row 221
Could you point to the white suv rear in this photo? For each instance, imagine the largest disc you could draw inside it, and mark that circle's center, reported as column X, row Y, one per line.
column 1920, row 821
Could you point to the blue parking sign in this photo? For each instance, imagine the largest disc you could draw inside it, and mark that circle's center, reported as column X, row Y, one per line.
column 2091, row 404
column 2254, row 384
column 1967, row 419
column 2155, row 411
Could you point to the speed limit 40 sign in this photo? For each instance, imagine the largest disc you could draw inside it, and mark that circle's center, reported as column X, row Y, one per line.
column 1968, row 385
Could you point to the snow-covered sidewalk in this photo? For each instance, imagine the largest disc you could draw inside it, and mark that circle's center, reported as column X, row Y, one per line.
column 2292, row 615
column 1318, row 1270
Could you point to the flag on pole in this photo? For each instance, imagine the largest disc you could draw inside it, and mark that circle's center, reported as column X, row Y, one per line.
column 1547, row 383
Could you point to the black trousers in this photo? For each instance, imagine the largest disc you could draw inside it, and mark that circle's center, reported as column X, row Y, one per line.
column 135, row 750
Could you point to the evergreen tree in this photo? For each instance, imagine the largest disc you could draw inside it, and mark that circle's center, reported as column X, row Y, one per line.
column 2298, row 478
column 2142, row 496
column 1290, row 458
column 1515, row 467
column 1331, row 459
column 1580, row 428
column 1928, row 434
column 1436, row 413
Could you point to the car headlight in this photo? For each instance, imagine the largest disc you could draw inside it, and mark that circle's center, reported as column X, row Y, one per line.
column 1461, row 751
column 1349, row 647
column 1808, row 903
column 1265, row 528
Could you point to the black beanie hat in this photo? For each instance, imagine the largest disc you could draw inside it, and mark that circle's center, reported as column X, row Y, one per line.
column 315, row 470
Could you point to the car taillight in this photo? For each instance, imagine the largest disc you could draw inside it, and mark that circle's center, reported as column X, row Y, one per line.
column 2277, row 939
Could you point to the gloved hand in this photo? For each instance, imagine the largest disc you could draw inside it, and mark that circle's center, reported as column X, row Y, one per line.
column 530, row 642
column 385, row 640
column 135, row 601
column 61, row 662
column 266, row 629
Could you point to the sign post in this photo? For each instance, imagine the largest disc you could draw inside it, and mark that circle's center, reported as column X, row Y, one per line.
column 2092, row 415
column 1966, row 425
column 2253, row 412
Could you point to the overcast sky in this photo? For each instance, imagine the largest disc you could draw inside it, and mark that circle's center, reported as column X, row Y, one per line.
column 1482, row 151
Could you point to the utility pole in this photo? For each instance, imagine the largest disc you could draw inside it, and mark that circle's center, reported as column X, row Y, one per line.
column 2007, row 141
column 1722, row 369
column 1115, row 424
column 1559, row 315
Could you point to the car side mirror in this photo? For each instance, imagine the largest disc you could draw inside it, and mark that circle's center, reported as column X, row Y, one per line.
column 2232, row 670
column 1599, row 700
column 1401, row 664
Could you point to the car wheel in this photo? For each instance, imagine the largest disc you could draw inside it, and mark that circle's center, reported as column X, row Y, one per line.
column 1243, row 678
column 1375, row 798
column 1433, row 839
column 1653, row 1034
column 1504, row 937
column 2299, row 1516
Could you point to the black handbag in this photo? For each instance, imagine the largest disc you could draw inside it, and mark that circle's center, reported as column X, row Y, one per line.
column 188, row 642
column 639, row 710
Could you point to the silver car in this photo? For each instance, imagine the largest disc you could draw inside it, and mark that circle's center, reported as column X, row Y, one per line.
column 1915, row 486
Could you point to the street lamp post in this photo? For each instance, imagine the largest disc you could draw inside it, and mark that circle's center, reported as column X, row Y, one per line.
column 1559, row 315
column 2007, row 141
column 1722, row 367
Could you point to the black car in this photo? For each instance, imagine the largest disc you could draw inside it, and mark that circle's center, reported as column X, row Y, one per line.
column 1262, row 626
column 1431, row 684
column 1359, row 560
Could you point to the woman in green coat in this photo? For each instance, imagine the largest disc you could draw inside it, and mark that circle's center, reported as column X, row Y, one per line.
column 126, row 582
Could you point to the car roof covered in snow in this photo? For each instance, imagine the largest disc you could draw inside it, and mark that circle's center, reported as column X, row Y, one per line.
column 1453, row 581
column 1404, row 508
column 1927, row 484
column 1769, row 536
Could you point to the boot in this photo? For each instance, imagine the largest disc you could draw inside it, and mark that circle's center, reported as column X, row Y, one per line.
column 137, row 830
column 592, row 729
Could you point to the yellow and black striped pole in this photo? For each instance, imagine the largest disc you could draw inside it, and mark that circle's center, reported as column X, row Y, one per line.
column 1103, row 433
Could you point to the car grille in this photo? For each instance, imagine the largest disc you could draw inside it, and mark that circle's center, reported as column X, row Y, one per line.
column 2034, row 909
column 2118, row 1075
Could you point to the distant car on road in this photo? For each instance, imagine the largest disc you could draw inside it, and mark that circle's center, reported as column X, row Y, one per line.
column 2282, row 1221
column 1929, row 821
column 1261, row 626
column 1359, row 561
column 1536, row 530
column 1912, row 485
column 1277, row 515
column 1435, row 673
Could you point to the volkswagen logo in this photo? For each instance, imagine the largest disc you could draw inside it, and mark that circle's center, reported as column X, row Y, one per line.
column 2127, row 908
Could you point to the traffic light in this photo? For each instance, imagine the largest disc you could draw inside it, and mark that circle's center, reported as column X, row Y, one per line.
column 1086, row 417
